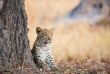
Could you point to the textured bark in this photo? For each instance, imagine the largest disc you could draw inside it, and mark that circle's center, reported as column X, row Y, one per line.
column 14, row 43
column 1, row 4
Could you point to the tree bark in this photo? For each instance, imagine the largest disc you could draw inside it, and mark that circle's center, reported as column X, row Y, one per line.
column 14, row 42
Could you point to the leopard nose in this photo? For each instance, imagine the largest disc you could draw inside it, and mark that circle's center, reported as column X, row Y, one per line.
column 49, row 39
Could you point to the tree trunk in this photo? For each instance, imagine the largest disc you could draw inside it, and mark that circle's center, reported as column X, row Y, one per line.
column 14, row 43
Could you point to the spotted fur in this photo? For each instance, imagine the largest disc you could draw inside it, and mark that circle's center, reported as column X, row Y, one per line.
column 42, row 55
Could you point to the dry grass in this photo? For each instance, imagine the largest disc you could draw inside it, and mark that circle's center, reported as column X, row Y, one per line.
column 70, row 42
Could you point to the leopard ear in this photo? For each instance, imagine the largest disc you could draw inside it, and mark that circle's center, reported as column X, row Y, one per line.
column 52, row 30
column 38, row 30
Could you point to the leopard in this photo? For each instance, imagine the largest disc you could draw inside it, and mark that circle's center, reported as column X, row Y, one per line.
column 41, row 52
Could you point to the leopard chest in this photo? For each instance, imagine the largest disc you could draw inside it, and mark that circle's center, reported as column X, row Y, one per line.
column 43, row 53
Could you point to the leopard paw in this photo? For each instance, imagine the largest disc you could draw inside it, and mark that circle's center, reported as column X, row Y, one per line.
column 55, row 68
column 46, row 68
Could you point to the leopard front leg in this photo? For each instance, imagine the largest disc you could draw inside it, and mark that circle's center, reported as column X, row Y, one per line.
column 50, row 61
column 41, row 63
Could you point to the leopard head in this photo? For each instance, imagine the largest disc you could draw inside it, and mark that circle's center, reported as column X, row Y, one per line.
column 45, row 36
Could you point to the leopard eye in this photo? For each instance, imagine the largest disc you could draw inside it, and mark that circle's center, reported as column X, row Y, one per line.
column 45, row 35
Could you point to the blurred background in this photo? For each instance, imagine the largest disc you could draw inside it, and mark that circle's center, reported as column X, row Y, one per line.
column 71, row 41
